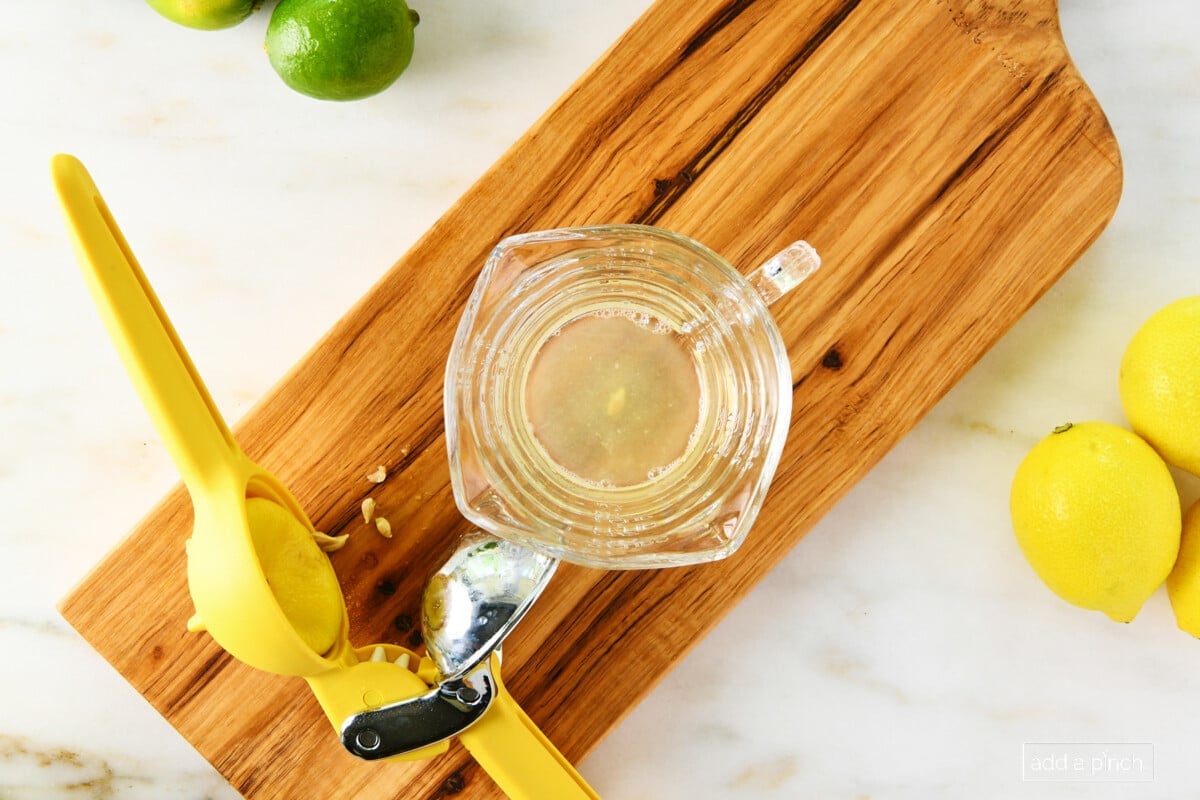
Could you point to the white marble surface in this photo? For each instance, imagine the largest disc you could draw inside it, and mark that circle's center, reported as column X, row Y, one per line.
column 903, row 650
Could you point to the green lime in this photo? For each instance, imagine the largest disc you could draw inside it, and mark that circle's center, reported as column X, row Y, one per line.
column 340, row 49
column 207, row 15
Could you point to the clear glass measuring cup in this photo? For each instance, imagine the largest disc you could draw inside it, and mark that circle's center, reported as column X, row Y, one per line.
column 618, row 396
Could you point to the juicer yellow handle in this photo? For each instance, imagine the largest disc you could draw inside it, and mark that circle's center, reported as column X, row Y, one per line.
column 517, row 755
column 380, row 675
column 168, row 384
column 247, row 527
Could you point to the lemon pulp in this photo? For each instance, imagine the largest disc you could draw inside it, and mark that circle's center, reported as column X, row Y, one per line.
column 298, row 572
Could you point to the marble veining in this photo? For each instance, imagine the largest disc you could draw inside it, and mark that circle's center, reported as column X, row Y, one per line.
column 30, row 770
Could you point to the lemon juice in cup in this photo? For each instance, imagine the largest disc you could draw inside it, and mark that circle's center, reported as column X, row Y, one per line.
column 613, row 398
column 618, row 396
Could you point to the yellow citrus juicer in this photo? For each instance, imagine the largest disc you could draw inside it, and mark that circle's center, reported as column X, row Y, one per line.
column 263, row 588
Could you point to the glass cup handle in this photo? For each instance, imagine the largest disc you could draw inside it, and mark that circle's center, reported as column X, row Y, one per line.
column 784, row 271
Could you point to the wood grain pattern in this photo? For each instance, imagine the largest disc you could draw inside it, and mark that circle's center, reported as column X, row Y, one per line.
column 945, row 158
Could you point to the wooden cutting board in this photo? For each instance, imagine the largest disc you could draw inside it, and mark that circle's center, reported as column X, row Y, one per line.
column 945, row 158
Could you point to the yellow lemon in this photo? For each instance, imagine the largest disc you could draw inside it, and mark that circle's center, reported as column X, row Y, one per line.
column 1096, row 514
column 1183, row 585
column 1160, row 383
